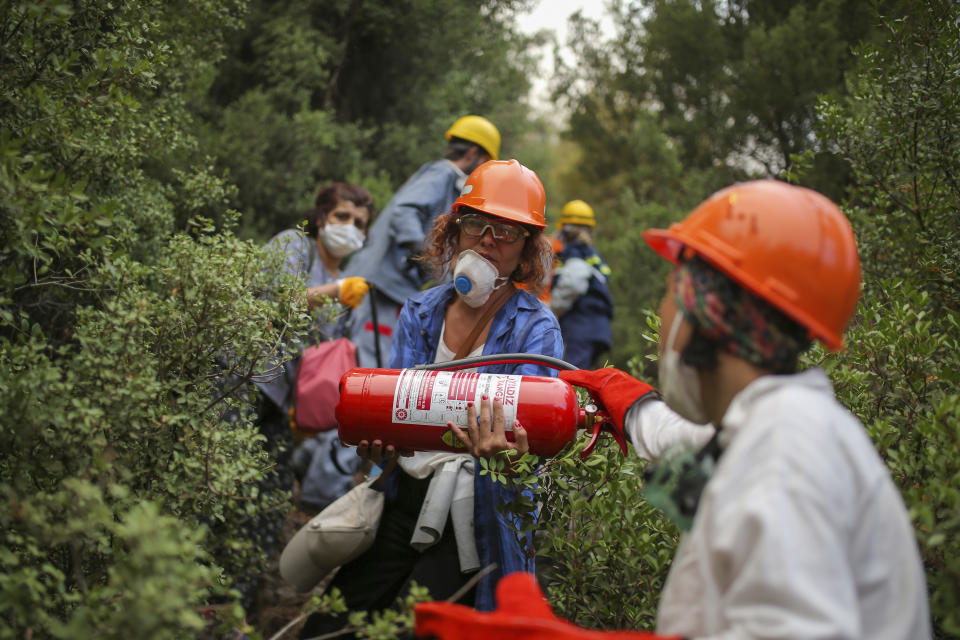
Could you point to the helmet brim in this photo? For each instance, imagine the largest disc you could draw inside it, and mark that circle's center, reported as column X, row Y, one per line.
column 664, row 242
column 670, row 245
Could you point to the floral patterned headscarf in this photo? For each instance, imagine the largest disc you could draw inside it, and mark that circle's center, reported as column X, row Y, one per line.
column 736, row 320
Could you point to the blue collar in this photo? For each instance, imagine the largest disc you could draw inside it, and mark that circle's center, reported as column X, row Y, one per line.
column 430, row 308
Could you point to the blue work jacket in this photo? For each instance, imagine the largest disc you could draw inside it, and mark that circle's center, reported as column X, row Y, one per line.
column 407, row 218
column 524, row 324
column 589, row 319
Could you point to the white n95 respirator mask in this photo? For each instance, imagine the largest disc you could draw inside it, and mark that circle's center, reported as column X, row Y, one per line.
column 340, row 240
column 475, row 278
column 679, row 382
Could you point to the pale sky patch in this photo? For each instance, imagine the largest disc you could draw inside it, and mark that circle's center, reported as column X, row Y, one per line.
column 553, row 15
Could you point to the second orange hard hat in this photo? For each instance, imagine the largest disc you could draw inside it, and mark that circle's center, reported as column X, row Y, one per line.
column 787, row 244
column 507, row 189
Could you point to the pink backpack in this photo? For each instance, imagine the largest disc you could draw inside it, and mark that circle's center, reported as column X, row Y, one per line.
column 316, row 389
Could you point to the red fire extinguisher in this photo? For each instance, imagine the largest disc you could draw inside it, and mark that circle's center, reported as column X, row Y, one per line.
column 410, row 408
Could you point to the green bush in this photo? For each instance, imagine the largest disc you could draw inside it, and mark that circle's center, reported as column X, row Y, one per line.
column 597, row 537
column 901, row 375
column 899, row 132
column 125, row 348
column 130, row 325
column 129, row 428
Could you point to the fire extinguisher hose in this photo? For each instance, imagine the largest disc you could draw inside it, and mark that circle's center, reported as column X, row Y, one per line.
column 501, row 358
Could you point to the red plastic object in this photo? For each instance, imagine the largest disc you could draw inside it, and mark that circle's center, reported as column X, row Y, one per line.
column 409, row 409
column 315, row 391
column 522, row 614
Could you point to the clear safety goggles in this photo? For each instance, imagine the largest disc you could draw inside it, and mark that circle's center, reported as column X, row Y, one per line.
column 476, row 225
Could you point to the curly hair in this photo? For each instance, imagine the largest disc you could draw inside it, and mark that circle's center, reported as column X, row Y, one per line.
column 442, row 244
column 327, row 199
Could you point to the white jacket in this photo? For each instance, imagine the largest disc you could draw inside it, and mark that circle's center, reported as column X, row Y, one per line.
column 799, row 534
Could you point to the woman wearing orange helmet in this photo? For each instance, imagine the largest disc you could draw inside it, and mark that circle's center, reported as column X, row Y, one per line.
column 490, row 240
column 794, row 527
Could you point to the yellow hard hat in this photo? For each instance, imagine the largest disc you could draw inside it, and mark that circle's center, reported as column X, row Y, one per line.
column 479, row 131
column 577, row 212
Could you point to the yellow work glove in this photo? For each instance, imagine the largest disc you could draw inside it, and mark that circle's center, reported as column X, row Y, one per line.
column 352, row 291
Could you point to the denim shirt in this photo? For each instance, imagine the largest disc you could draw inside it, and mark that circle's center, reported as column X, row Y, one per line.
column 522, row 325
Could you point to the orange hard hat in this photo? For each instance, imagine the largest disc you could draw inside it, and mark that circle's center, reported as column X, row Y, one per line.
column 507, row 189
column 789, row 245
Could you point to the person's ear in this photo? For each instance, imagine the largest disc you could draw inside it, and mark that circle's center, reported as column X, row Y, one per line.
column 477, row 156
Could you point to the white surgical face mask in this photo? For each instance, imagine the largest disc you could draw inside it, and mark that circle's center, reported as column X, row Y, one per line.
column 340, row 240
column 679, row 382
column 475, row 278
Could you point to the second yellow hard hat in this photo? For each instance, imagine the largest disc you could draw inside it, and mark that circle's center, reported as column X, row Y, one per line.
column 577, row 212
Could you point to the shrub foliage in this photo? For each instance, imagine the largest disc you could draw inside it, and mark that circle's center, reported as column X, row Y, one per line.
column 125, row 434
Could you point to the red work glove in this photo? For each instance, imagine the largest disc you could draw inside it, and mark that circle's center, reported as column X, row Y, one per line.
column 522, row 614
column 612, row 388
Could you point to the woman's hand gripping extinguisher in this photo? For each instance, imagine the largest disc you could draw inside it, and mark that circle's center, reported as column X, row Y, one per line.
column 410, row 408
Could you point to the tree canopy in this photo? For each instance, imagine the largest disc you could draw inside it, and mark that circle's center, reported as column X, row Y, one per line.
column 357, row 91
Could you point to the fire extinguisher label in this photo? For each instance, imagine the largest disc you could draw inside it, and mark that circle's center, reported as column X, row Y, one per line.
column 439, row 397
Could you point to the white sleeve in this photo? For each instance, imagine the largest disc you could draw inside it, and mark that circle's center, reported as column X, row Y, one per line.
column 774, row 551
column 654, row 429
column 572, row 281
column 783, row 558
